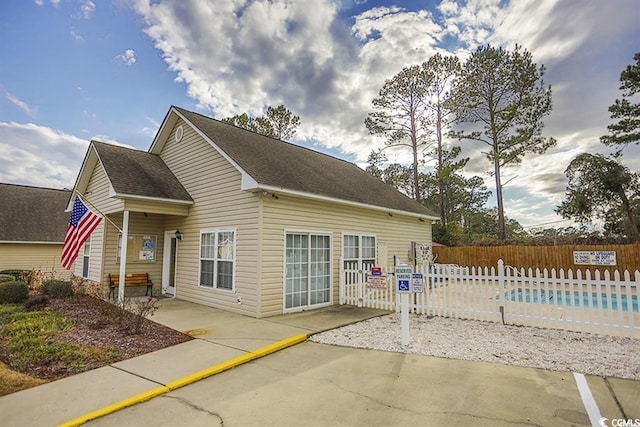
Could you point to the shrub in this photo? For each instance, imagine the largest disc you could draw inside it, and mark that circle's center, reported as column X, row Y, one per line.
column 13, row 292
column 57, row 288
column 6, row 278
column 33, row 278
column 17, row 274
column 135, row 310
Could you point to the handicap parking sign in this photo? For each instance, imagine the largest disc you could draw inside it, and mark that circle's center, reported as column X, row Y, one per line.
column 403, row 278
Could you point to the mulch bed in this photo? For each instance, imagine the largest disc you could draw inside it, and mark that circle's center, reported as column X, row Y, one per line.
column 99, row 323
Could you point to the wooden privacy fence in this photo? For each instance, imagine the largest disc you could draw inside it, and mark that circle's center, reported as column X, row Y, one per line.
column 603, row 304
column 558, row 257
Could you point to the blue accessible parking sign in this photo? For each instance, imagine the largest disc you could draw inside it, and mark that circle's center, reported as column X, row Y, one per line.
column 403, row 278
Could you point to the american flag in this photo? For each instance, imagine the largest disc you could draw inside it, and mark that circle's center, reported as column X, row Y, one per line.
column 82, row 223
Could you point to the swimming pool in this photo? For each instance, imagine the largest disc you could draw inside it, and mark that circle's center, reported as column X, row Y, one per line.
column 594, row 300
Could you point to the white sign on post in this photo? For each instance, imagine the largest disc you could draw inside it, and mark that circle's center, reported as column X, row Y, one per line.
column 417, row 283
column 403, row 278
column 403, row 287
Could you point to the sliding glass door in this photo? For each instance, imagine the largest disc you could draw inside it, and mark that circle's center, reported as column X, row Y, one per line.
column 307, row 270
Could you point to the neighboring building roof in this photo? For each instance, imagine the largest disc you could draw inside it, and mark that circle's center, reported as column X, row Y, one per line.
column 139, row 173
column 278, row 164
column 33, row 214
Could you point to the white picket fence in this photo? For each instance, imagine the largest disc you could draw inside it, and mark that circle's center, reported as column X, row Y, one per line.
column 580, row 301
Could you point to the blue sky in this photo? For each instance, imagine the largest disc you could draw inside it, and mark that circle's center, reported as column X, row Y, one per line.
column 76, row 70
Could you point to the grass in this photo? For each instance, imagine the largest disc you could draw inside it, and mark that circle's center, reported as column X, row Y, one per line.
column 31, row 338
column 13, row 381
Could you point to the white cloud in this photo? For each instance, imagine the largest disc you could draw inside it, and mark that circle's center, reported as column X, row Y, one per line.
column 31, row 111
column 87, row 8
column 128, row 57
column 22, row 162
column 55, row 3
column 252, row 54
column 76, row 35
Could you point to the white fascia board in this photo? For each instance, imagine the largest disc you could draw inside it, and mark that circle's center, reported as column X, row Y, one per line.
column 272, row 189
column 150, row 199
column 246, row 178
column 163, row 133
column 248, row 183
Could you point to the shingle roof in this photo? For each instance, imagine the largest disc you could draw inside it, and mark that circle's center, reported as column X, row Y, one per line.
column 139, row 173
column 275, row 163
column 33, row 214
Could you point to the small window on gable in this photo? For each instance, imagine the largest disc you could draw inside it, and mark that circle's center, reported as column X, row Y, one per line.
column 179, row 133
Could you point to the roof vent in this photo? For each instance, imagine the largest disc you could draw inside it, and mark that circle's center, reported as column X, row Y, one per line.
column 179, row 133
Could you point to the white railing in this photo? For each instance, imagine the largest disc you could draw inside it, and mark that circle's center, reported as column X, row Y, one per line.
column 580, row 301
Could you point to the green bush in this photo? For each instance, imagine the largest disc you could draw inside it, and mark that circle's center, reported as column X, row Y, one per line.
column 17, row 274
column 57, row 288
column 13, row 292
column 6, row 278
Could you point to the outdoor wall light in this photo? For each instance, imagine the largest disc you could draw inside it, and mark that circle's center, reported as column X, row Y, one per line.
column 178, row 235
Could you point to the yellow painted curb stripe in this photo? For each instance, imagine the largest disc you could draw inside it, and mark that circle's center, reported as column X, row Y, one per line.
column 140, row 397
column 189, row 379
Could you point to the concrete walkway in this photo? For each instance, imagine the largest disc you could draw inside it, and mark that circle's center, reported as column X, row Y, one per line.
column 224, row 340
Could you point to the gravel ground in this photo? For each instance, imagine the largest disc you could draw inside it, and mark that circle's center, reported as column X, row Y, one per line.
column 495, row 343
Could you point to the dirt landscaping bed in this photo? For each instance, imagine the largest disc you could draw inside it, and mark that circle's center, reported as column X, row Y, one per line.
column 86, row 333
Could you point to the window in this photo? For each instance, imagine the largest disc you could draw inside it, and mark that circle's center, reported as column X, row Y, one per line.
column 359, row 251
column 85, row 258
column 217, row 259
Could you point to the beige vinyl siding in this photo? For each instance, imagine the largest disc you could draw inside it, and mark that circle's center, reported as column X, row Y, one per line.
column 214, row 185
column 97, row 192
column 95, row 255
column 298, row 214
column 151, row 225
column 26, row 256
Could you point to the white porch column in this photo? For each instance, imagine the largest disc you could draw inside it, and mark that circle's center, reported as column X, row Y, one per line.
column 123, row 255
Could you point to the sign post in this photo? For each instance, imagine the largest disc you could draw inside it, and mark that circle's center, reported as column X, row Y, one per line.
column 403, row 287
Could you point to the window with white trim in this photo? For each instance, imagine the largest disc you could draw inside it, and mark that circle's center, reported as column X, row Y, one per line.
column 217, row 259
column 359, row 251
column 85, row 258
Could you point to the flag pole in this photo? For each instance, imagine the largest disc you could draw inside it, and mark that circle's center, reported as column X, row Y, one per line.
column 99, row 211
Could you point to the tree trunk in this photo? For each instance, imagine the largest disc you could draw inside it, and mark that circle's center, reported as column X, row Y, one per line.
column 414, row 146
column 441, row 198
column 502, row 235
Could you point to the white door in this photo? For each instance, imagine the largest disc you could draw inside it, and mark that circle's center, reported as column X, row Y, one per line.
column 169, row 263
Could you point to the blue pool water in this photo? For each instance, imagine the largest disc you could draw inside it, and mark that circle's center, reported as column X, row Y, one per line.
column 594, row 300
